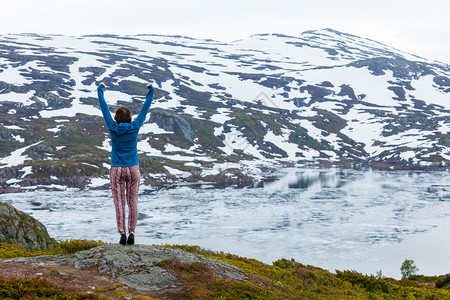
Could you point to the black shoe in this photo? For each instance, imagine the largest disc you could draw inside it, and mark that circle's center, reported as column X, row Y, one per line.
column 130, row 240
column 123, row 239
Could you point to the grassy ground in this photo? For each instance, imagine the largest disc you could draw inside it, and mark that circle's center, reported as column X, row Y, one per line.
column 38, row 288
column 35, row 288
column 284, row 279
column 63, row 247
column 288, row 279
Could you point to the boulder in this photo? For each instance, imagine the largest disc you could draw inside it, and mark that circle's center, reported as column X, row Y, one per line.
column 170, row 121
column 19, row 227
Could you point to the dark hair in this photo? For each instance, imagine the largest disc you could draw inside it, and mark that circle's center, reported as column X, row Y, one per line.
column 123, row 115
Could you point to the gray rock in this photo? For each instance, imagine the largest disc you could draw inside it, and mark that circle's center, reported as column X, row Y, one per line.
column 152, row 280
column 170, row 121
column 17, row 226
column 137, row 266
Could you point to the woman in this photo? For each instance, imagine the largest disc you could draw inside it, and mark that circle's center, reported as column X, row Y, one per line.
column 125, row 174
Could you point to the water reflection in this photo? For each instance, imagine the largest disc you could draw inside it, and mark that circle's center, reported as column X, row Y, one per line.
column 309, row 179
column 318, row 216
column 442, row 191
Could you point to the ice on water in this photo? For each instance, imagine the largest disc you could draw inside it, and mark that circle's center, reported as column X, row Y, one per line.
column 331, row 218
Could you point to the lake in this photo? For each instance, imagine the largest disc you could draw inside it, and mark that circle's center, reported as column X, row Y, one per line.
column 341, row 219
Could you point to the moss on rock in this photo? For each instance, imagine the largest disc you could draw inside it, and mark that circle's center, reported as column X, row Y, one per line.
column 17, row 226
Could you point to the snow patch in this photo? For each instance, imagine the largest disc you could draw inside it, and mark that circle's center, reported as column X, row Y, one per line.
column 18, row 138
column 13, row 127
column 177, row 172
column 96, row 182
column 16, row 158
column 152, row 128
column 27, row 171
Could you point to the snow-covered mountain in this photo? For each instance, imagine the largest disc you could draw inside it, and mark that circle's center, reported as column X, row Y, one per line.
column 223, row 112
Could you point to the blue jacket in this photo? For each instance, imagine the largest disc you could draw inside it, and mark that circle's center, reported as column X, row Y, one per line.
column 124, row 135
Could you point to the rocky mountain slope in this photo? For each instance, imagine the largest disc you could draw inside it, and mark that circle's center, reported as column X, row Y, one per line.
column 223, row 112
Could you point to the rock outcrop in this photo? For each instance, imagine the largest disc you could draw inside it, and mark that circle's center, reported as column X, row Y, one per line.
column 170, row 121
column 141, row 267
column 17, row 226
column 137, row 266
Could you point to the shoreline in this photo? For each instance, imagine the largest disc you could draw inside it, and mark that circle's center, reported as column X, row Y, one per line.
column 208, row 207
column 229, row 177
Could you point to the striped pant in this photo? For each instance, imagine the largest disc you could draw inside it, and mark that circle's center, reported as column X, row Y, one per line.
column 125, row 188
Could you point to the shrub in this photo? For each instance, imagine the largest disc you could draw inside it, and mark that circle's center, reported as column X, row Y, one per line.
column 444, row 281
column 16, row 250
column 73, row 246
column 63, row 247
column 408, row 268
column 35, row 288
column 369, row 283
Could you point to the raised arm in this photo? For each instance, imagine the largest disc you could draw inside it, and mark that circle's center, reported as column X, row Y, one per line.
column 105, row 110
column 144, row 110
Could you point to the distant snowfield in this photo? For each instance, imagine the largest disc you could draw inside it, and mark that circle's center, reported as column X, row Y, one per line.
column 258, row 47
column 277, row 71
column 431, row 96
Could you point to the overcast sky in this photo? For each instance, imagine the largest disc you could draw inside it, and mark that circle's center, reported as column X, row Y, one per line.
column 416, row 26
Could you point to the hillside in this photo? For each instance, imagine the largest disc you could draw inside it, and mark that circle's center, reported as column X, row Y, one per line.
column 189, row 272
column 227, row 113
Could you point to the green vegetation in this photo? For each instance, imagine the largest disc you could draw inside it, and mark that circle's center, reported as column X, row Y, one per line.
column 443, row 281
column 204, row 130
column 90, row 101
column 133, row 87
column 388, row 288
column 328, row 121
column 201, row 282
column 73, row 246
column 288, row 279
column 255, row 125
column 35, row 288
column 284, row 279
column 408, row 268
column 302, row 138
column 62, row 247
column 152, row 165
column 67, row 167
column 199, row 99
column 8, row 250
column 408, row 121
